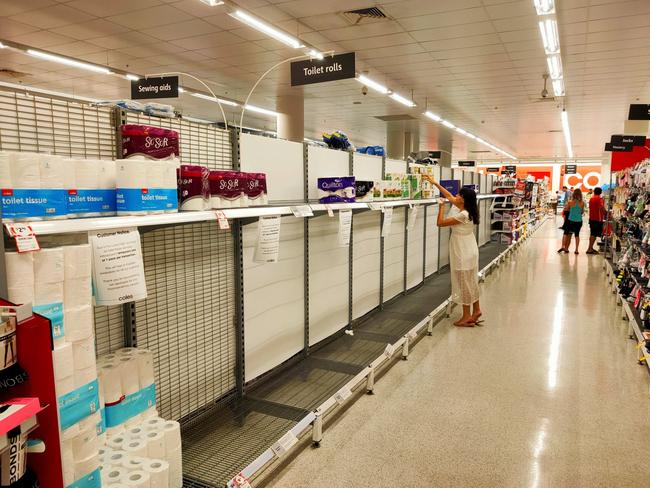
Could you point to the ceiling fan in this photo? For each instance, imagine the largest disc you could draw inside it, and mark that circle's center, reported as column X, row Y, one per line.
column 545, row 95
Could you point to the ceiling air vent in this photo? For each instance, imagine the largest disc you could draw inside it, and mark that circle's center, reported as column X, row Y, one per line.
column 364, row 15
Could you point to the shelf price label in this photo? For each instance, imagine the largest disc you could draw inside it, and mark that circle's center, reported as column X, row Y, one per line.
column 286, row 442
column 342, row 395
column 222, row 220
column 24, row 236
column 330, row 212
column 302, row 211
column 413, row 215
column 375, row 206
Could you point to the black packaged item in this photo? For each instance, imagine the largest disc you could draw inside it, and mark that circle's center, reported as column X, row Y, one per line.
column 364, row 191
column 11, row 374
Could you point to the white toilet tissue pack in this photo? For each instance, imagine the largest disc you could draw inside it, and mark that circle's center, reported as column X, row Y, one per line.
column 126, row 381
column 145, row 186
column 91, row 191
column 32, row 186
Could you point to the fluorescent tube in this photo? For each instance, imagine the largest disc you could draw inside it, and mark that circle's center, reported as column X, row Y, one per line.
column 181, row 89
column 316, row 54
column 462, row 131
column 544, row 7
column 213, row 99
column 131, row 77
column 67, row 61
column 550, row 37
column 261, row 110
column 267, row 29
column 212, row 3
column 404, row 101
column 432, row 116
column 554, row 66
column 446, row 123
column 364, row 80
column 558, row 88
column 567, row 133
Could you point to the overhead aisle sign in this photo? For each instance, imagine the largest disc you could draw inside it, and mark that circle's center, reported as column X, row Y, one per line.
column 331, row 68
column 162, row 87
column 639, row 111
column 570, row 169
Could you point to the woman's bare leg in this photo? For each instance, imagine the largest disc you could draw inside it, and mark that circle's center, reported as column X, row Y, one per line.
column 466, row 319
column 476, row 306
column 577, row 238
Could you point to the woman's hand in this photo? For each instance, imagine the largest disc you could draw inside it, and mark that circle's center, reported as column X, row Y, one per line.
column 430, row 179
column 442, row 201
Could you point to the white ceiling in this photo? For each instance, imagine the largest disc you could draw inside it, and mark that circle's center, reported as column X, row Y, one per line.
column 478, row 63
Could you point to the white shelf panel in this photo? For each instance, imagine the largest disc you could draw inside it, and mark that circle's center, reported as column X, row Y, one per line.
column 68, row 226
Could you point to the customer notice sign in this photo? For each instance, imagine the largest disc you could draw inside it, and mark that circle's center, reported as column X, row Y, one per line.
column 146, row 88
column 331, row 68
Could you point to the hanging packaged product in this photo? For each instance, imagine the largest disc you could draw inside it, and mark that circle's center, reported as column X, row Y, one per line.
column 11, row 374
column 193, row 188
column 364, row 190
column 336, row 189
column 33, row 186
column 151, row 142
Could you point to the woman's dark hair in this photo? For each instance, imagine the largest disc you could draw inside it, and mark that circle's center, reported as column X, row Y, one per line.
column 469, row 197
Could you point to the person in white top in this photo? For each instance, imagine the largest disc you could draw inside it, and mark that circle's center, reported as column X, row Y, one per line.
column 463, row 252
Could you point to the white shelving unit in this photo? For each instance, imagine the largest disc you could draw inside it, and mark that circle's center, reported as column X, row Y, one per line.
column 68, row 226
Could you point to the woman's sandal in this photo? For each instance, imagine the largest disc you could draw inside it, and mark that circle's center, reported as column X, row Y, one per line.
column 460, row 323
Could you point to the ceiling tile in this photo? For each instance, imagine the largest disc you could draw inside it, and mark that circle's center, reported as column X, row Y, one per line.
column 188, row 28
column 10, row 28
column 49, row 17
column 453, row 32
column 13, row 7
column 42, row 39
column 415, row 8
column 151, row 17
column 460, row 17
column 90, row 30
column 207, row 41
column 106, row 8
column 124, row 40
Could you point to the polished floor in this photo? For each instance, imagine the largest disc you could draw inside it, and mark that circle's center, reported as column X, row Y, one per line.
column 547, row 393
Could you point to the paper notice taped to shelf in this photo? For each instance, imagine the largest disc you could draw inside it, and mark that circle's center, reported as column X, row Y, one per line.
column 345, row 226
column 375, row 206
column 413, row 215
column 285, row 443
column 118, row 270
column 330, row 211
column 342, row 395
column 268, row 239
column 222, row 220
column 388, row 220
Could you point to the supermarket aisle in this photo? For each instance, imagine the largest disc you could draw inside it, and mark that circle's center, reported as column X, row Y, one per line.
column 547, row 393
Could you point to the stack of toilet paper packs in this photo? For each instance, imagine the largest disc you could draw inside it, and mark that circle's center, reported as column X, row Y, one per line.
column 37, row 186
column 146, row 186
column 57, row 282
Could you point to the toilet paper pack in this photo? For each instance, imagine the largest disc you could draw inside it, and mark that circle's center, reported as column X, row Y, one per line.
column 336, row 189
column 151, row 142
column 256, row 190
column 93, row 192
column 228, row 189
column 193, row 187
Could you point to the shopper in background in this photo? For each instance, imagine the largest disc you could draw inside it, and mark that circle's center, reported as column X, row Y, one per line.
column 597, row 214
column 573, row 223
column 554, row 200
column 566, row 196
column 463, row 252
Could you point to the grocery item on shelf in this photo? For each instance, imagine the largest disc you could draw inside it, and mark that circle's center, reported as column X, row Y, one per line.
column 233, row 189
column 338, row 189
column 146, row 186
column 193, row 188
column 92, row 189
column 364, row 190
column 149, row 142
column 336, row 140
column 372, row 150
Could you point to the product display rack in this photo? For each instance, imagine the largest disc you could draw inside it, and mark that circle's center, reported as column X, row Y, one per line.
column 199, row 318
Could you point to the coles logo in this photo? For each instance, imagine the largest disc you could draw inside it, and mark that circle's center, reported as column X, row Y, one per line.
column 590, row 180
column 7, row 192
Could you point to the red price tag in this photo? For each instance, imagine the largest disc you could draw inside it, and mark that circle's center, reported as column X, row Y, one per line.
column 24, row 237
column 222, row 219
column 240, row 481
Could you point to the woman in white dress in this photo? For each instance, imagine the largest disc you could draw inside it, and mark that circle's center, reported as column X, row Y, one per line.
column 463, row 252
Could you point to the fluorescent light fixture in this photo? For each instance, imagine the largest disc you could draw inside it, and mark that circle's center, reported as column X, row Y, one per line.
column 131, row 77
column 261, row 110
column 550, row 36
column 212, row 3
column 69, row 62
column 471, row 136
column 446, row 123
column 554, row 66
column 404, row 101
column 432, row 116
column 2, row 46
column 213, row 99
column 267, row 29
column 567, row 133
column 558, row 88
column 181, row 89
column 364, row 80
column 316, row 54
column 462, row 131
column 545, row 7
